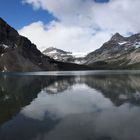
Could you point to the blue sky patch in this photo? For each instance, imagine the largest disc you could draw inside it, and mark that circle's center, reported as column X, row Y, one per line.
column 19, row 15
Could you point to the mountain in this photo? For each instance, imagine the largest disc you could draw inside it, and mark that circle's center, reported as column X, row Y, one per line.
column 118, row 53
column 17, row 53
column 64, row 56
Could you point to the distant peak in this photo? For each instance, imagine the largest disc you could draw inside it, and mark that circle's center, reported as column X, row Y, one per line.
column 117, row 34
column 56, row 50
column 52, row 48
column 117, row 37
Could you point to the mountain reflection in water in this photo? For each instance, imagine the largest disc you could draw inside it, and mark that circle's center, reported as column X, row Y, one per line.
column 86, row 107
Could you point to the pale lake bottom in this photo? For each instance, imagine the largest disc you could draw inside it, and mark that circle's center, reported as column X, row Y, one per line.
column 82, row 105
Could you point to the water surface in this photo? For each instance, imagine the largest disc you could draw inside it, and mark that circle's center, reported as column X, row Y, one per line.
column 92, row 105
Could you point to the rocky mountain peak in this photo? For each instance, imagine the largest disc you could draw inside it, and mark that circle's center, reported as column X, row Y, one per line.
column 117, row 37
column 118, row 52
column 54, row 50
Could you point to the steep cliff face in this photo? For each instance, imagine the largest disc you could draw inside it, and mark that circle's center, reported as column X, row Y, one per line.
column 17, row 53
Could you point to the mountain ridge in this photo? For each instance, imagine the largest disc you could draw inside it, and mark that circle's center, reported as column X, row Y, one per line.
column 117, row 53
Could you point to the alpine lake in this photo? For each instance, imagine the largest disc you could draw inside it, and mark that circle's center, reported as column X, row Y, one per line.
column 78, row 105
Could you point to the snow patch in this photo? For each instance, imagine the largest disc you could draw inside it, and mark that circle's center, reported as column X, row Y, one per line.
column 137, row 45
column 79, row 62
column 16, row 46
column 4, row 46
column 4, row 69
column 56, row 57
column 77, row 55
column 6, row 97
column 122, row 43
column 54, row 51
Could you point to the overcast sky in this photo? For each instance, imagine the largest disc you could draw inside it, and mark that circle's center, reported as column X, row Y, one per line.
column 74, row 25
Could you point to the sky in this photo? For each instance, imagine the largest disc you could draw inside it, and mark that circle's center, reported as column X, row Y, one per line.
column 71, row 25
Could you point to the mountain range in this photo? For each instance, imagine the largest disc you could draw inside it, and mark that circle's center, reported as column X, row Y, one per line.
column 19, row 54
column 118, row 53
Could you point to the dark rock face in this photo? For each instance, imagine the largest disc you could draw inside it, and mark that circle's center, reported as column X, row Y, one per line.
column 17, row 53
column 7, row 33
column 118, row 53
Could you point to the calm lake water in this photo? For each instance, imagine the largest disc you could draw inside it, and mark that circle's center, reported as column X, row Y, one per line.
column 92, row 105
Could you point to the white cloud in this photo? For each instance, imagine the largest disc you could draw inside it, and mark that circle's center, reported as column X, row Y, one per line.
column 83, row 25
column 80, row 100
column 74, row 38
column 87, row 108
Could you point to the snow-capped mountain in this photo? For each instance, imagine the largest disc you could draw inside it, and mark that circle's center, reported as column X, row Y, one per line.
column 64, row 56
column 118, row 53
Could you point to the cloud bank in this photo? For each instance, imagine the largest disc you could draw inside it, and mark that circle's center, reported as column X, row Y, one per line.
column 82, row 25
